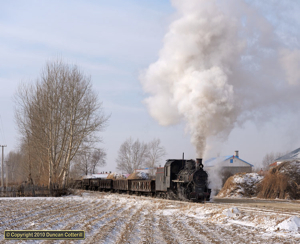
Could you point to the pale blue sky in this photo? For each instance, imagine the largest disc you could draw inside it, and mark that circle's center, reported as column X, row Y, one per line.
column 113, row 41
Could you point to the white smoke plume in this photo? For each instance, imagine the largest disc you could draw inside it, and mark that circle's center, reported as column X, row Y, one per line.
column 222, row 62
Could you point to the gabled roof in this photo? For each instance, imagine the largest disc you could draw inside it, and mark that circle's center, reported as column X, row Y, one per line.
column 273, row 164
column 214, row 161
column 290, row 156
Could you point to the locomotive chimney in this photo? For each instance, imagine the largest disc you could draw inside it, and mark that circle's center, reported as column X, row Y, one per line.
column 236, row 154
column 199, row 163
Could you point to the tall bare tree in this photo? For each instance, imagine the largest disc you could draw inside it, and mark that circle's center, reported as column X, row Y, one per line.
column 132, row 155
column 56, row 116
column 155, row 154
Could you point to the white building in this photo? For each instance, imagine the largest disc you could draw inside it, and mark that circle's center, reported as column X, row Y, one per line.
column 228, row 165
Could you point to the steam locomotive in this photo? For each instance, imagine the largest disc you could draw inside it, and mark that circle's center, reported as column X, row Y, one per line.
column 179, row 179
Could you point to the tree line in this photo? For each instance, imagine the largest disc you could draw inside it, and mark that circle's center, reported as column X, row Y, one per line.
column 17, row 166
column 59, row 118
column 131, row 155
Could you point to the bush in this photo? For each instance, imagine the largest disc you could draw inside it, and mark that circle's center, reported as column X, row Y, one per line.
column 281, row 182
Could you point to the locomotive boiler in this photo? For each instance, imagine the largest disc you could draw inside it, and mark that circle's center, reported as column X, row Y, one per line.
column 192, row 182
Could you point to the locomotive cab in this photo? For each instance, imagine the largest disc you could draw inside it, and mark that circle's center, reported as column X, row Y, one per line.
column 165, row 176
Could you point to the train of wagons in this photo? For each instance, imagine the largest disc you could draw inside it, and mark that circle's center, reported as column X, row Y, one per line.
column 179, row 179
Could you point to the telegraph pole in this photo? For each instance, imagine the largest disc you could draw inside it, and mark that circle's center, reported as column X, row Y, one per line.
column 2, row 168
column 6, row 174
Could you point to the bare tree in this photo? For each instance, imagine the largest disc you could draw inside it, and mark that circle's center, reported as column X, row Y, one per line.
column 98, row 159
column 56, row 116
column 156, row 152
column 82, row 163
column 75, row 172
column 270, row 158
column 132, row 155
column 14, row 163
column 86, row 161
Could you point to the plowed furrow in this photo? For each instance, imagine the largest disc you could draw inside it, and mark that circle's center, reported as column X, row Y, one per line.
column 25, row 221
column 101, row 218
column 167, row 232
column 129, row 228
column 86, row 214
column 25, row 211
column 15, row 212
column 186, row 235
column 228, row 234
column 63, row 216
column 109, row 223
column 251, row 235
column 203, row 232
column 48, row 215
column 147, row 233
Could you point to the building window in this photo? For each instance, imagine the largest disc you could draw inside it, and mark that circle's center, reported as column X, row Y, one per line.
column 231, row 160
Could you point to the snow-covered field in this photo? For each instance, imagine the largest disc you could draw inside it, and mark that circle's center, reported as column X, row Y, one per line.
column 114, row 218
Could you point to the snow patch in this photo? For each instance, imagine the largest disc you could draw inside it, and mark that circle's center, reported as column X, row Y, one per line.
column 169, row 211
column 248, row 179
column 291, row 224
column 95, row 176
column 232, row 212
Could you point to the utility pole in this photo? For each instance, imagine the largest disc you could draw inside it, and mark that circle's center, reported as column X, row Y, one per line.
column 2, row 168
column 6, row 174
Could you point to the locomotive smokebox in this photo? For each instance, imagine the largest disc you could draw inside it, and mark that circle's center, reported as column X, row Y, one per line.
column 199, row 163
